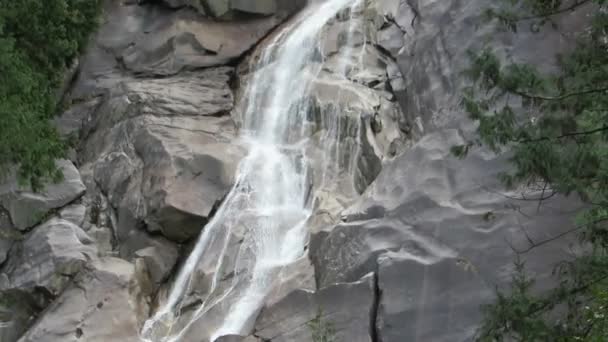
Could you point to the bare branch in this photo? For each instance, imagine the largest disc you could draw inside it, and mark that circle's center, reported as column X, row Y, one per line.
column 567, row 135
column 559, row 97
column 534, row 244
column 540, row 201
column 569, row 8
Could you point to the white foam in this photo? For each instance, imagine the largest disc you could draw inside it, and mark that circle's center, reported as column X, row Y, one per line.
column 270, row 197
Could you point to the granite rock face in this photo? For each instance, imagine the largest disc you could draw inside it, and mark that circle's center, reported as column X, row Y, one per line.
column 47, row 258
column 161, row 150
column 441, row 232
column 349, row 308
column 154, row 40
column 26, row 208
column 39, row 266
column 105, row 303
column 448, row 291
column 408, row 251
column 159, row 260
column 150, row 104
column 432, row 43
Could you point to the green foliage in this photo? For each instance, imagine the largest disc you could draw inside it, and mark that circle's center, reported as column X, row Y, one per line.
column 516, row 314
column 539, row 12
column 573, row 311
column 556, row 127
column 38, row 40
column 321, row 330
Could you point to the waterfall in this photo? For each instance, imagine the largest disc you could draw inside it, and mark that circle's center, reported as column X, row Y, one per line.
column 271, row 201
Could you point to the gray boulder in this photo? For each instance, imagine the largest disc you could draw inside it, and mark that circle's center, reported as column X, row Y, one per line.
column 154, row 40
column 105, row 303
column 349, row 308
column 444, row 221
column 39, row 267
column 185, row 41
column 74, row 213
column 448, row 291
column 162, row 151
column 159, row 260
column 27, row 208
column 47, row 258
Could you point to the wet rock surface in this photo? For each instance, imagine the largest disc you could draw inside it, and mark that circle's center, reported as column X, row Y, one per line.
column 407, row 252
column 150, row 105
column 163, row 153
column 441, row 232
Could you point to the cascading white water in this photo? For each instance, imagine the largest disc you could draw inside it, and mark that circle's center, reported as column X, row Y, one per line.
column 271, row 199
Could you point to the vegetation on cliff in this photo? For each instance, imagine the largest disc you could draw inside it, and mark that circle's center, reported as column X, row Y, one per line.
column 38, row 41
column 556, row 127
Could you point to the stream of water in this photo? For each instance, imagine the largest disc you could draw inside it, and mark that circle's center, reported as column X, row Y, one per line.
column 270, row 202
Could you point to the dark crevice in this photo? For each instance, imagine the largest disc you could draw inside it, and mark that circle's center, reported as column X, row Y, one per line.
column 163, row 5
column 384, row 52
column 114, row 242
column 414, row 8
column 373, row 333
column 233, row 83
column 69, row 85
column 89, row 123
column 50, row 214
column 10, row 234
column 235, row 62
column 206, row 8
column 260, row 338
column 391, row 20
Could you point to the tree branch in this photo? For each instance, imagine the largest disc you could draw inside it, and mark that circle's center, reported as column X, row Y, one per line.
column 567, row 135
column 534, row 244
column 558, row 97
